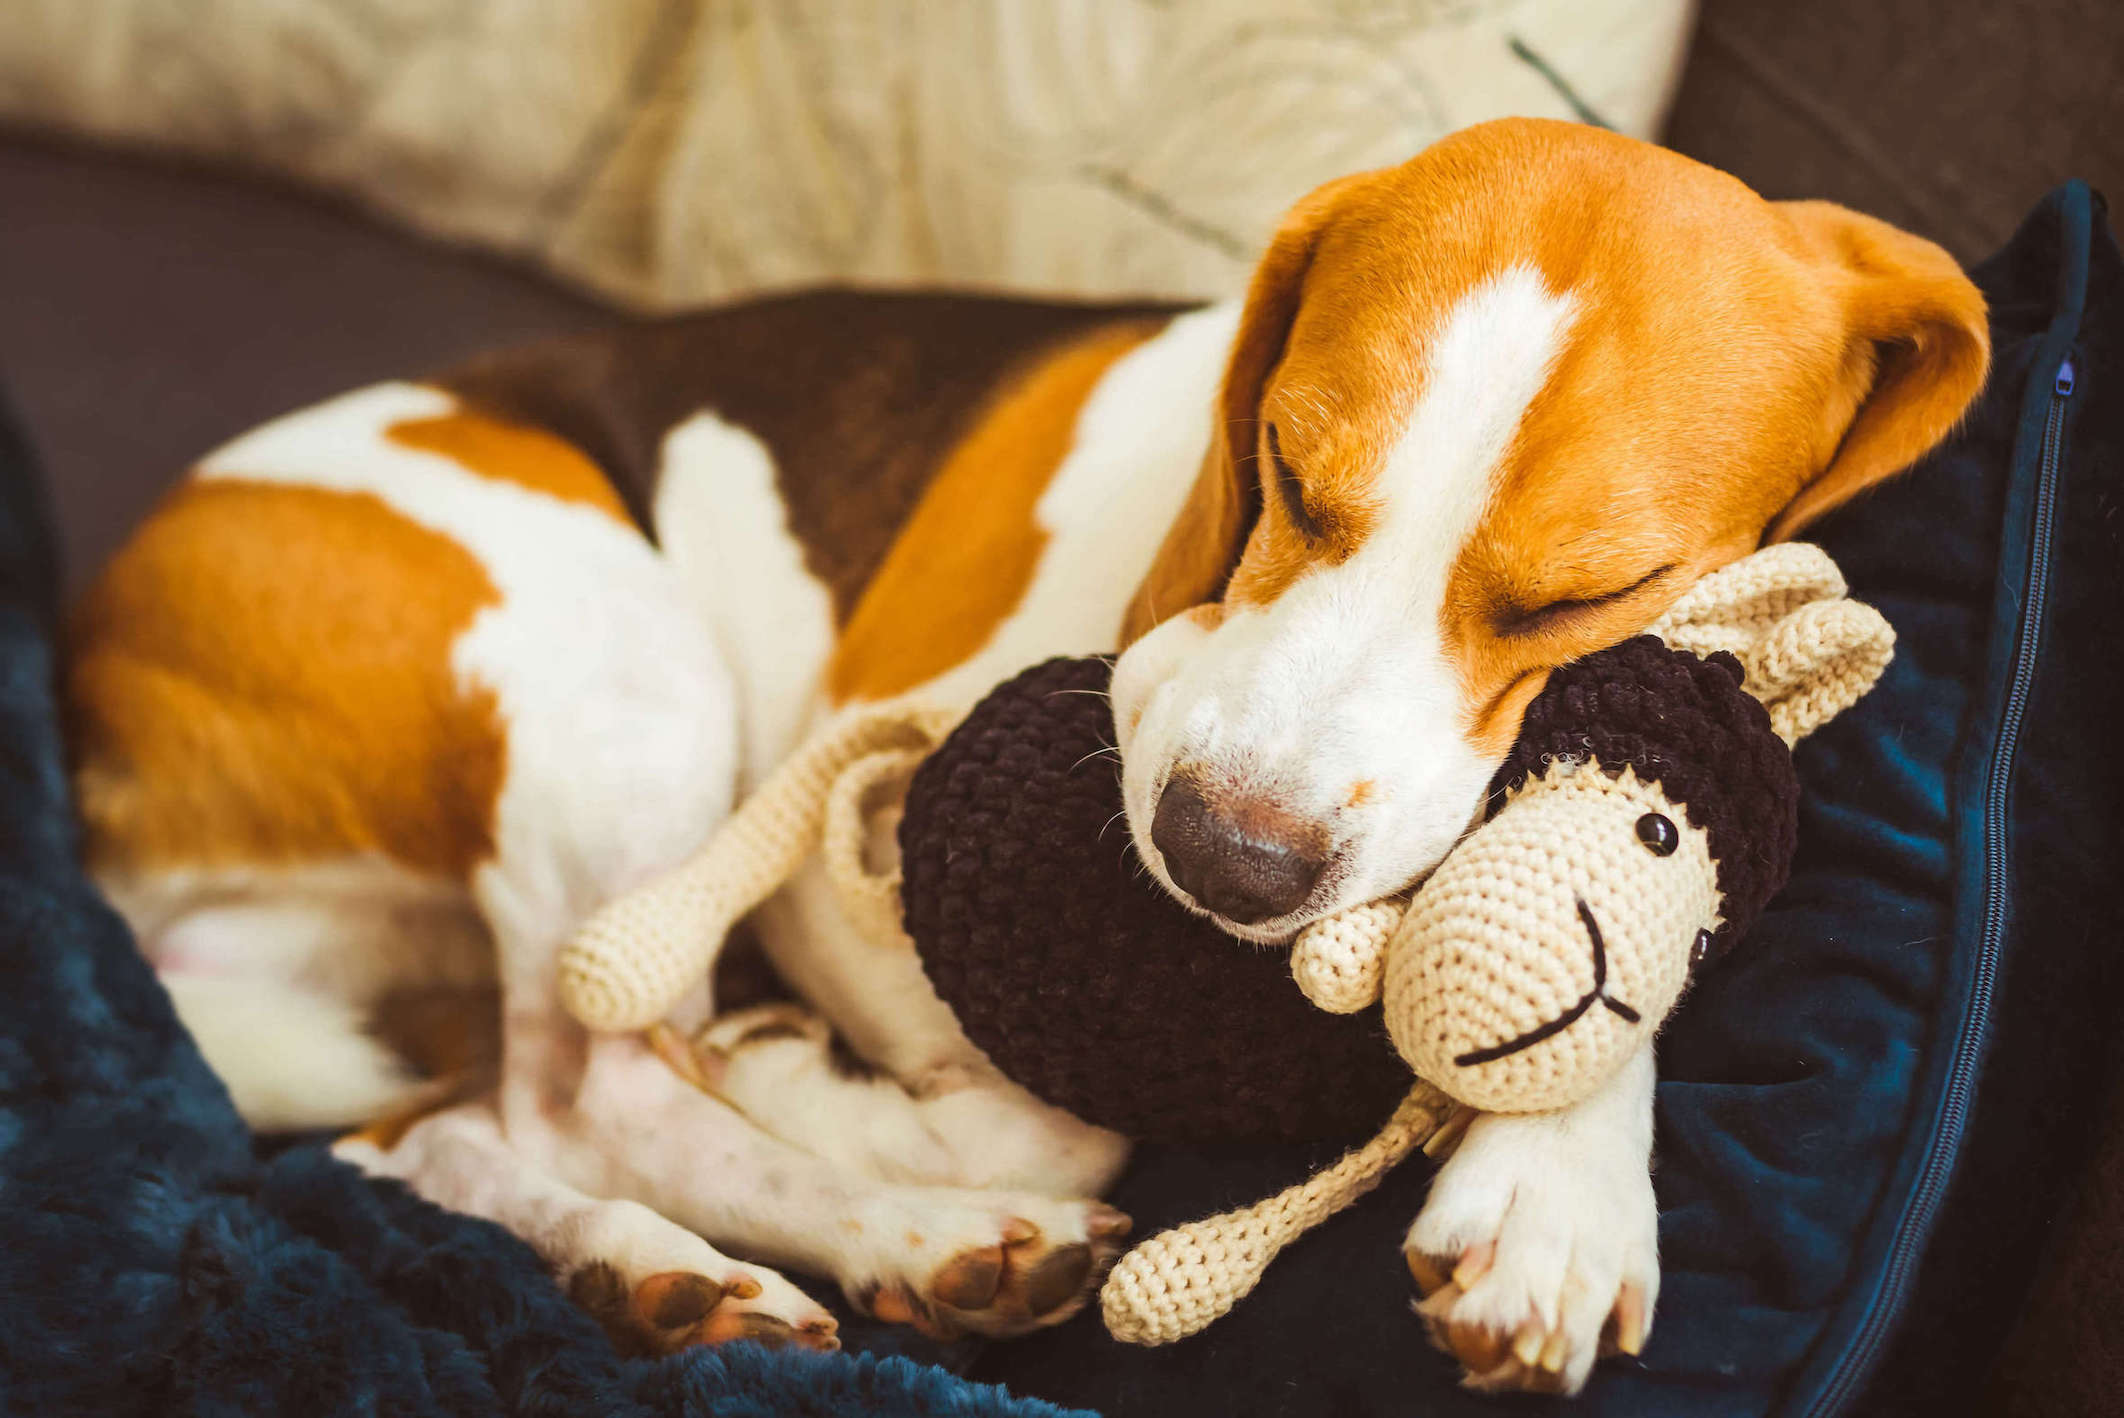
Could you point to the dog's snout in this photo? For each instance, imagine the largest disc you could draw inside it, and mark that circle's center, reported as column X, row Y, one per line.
column 1242, row 858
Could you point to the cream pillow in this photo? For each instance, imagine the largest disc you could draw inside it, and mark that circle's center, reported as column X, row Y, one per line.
column 670, row 152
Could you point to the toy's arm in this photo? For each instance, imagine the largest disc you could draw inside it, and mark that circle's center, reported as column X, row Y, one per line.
column 1339, row 961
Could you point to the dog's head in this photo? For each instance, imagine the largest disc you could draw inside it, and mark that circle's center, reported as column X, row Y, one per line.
column 1488, row 412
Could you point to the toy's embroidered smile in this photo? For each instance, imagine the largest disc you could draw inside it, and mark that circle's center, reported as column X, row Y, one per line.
column 1570, row 1016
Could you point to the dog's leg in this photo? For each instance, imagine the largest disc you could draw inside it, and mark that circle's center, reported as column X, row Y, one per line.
column 947, row 1259
column 653, row 1285
column 962, row 1126
column 1539, row 1245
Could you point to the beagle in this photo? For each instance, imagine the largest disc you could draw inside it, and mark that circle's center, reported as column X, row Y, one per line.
column 392, row 691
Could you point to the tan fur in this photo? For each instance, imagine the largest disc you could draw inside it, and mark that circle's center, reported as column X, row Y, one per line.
column 507, row 452
column 1735, row 368
column 967, row 554
column 263, row 677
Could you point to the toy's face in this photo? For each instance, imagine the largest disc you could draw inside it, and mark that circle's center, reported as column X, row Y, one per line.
column 1552, row 943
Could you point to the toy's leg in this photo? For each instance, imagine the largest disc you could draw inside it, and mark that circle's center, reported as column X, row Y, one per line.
column 950, row 1260
column 964, row 1127
column 653, row 1285
column 1539, row 1245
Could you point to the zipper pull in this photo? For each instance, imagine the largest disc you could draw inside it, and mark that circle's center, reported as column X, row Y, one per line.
column 2064, row 384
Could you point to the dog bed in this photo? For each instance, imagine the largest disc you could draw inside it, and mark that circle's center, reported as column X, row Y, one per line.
column 1868, row 1117
column 151, row 1264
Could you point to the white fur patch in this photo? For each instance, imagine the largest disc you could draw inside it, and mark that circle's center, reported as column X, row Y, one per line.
column 619, row 713
column 724, row 528
column 1565, row 1199
column 291, row 1057
column 1139, row 442
column 1343, row 680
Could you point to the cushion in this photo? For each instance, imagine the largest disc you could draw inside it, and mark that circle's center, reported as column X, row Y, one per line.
column 670, row 154
column 1865, row 1116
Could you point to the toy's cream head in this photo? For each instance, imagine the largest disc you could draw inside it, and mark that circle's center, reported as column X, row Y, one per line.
column 1648, row 813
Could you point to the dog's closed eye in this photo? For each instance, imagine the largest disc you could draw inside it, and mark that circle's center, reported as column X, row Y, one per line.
column 1291, row 491
column 1518, row 620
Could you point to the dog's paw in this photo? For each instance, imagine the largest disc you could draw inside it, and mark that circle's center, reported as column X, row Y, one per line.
column 676, row 1309
column 988, row 1263
column 1537, row 1252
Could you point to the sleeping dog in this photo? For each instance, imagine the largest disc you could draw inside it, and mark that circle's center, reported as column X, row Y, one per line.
column 389, row 693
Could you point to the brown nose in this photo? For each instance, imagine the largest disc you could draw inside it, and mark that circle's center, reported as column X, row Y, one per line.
column 1242, row 859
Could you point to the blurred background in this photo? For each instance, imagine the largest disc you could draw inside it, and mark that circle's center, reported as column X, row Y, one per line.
column 214, row 210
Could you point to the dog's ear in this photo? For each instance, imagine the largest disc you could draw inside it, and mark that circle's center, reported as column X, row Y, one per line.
column 1917, row 353
column 1206, row 541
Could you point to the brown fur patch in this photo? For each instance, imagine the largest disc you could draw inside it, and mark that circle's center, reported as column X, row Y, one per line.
column 857, row 396
column 443, row 1031
column 263, row 676
column 968, row 553
column 506, row 452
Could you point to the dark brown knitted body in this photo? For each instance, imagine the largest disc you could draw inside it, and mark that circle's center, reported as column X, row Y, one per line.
column 1084, row 981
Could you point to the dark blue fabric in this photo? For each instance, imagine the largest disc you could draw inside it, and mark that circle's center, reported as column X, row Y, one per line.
column 149, row 1265
column 1822, row 1087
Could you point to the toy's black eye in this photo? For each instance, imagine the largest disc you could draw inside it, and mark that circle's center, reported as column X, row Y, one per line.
column 1657, row 832
column 1700, row 951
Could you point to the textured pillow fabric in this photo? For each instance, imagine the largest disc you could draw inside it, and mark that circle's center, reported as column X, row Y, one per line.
column 1867, row 1115
column 670, row 152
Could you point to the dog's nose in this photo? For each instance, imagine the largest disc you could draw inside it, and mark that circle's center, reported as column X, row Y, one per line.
column 1243, row 859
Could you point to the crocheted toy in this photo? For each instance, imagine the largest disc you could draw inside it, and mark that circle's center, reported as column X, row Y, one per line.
column 1646, row 815
column 1078, row 975
column 1644, row 818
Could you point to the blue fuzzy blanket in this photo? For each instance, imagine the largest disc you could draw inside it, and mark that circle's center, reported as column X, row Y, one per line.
column 151, row 1264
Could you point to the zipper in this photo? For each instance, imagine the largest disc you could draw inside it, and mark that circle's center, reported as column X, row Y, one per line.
column 1938, row 1169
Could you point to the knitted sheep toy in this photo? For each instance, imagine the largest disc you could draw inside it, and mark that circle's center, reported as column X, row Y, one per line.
column 1645, row 816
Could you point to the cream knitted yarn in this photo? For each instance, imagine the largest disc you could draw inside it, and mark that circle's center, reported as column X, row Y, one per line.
column 1179, row 1281
column 631, row 963
column 1473, row 963
column 1809, row 653
column 1553, row 917
column 1339, row 961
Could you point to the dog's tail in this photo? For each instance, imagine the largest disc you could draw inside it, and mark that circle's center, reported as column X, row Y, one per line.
column 291, row 1057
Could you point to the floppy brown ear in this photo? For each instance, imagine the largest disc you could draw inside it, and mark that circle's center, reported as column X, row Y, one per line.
column 1205, row 542
column 1920, row 349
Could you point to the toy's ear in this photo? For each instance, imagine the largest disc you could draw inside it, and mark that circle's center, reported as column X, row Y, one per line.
column 1807, row 652
column 1917, row 350
column 1204, row 545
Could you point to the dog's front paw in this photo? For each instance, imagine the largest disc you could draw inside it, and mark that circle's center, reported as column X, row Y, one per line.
column 1537, row 1252
column 989, row 1263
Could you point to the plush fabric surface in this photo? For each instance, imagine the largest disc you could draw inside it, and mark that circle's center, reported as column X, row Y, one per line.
column 150, row 1265
column 670, row 152
column 1869, row 1113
